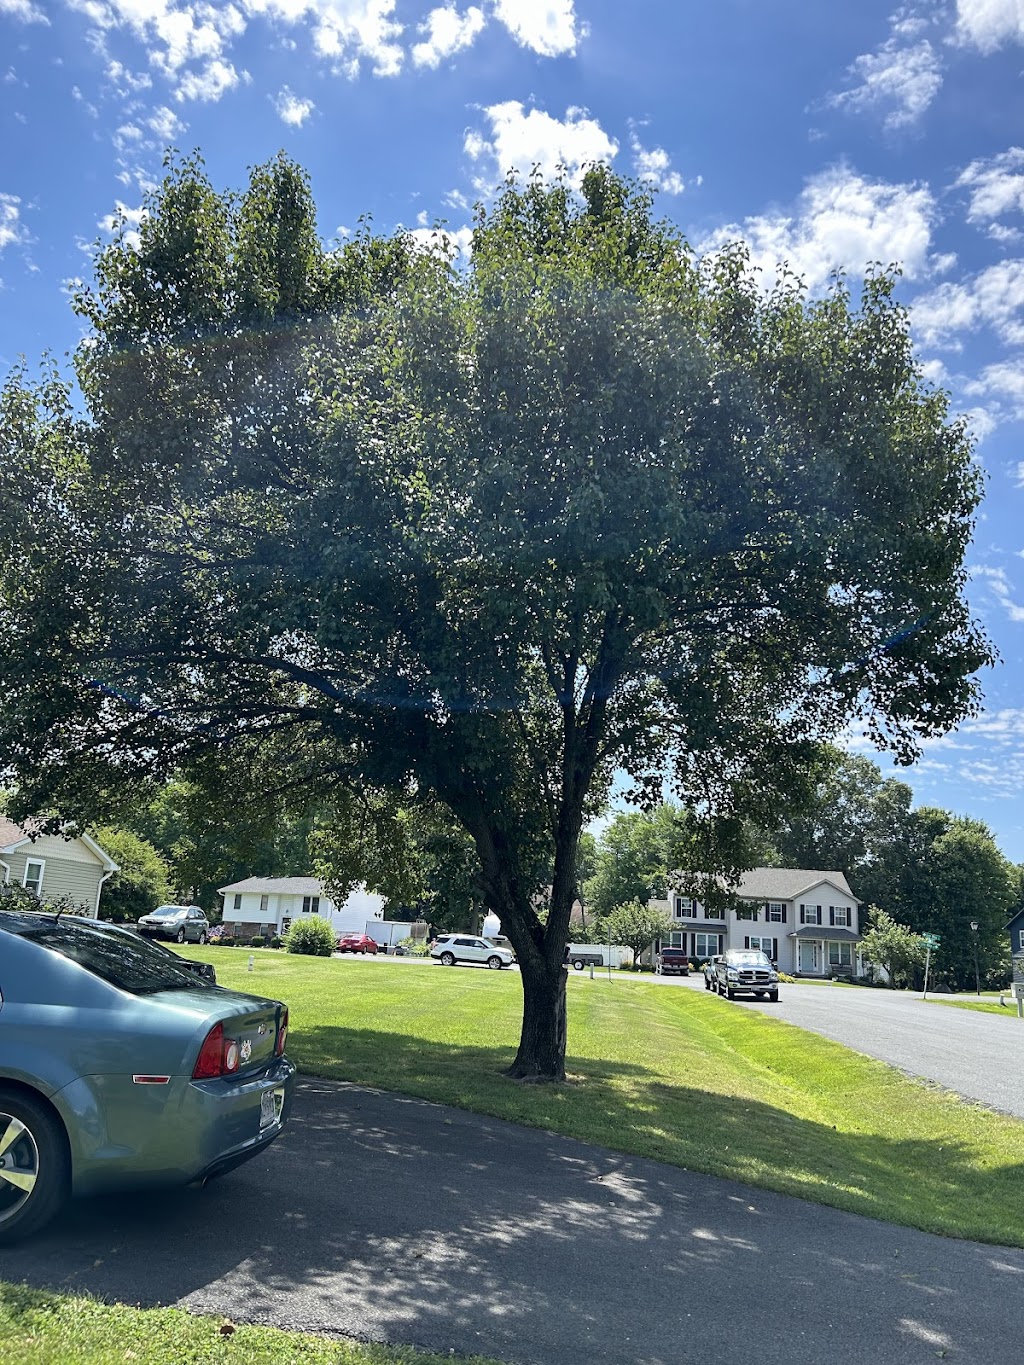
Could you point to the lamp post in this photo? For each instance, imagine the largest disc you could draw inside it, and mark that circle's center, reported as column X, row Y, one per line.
column 977, row 977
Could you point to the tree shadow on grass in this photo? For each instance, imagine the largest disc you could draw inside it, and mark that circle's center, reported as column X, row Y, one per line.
column 378, row 1215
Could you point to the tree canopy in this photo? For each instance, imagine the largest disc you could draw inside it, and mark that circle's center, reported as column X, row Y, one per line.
column 368, row 520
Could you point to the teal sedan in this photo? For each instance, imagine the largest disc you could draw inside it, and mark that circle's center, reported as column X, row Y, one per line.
column 121, row 1068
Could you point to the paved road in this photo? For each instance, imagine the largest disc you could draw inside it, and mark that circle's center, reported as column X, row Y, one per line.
column 402, row 1221
column 977, row 1055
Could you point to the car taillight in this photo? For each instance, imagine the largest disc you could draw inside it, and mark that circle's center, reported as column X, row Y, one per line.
column 217, row 1056
column 282, row 1033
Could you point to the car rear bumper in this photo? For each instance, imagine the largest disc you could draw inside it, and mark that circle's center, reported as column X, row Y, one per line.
column 125, row 1135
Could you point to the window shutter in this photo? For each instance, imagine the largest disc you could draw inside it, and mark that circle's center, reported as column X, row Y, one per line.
column 746, row 940
column 775, row 950
column 783, row 912
column 831, row 914
column 803, row 914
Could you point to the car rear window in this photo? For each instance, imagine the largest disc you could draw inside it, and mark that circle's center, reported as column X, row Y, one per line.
column 123, row 959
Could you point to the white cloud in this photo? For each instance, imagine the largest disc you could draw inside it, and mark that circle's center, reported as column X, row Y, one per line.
column 447, row 32
column 655, row 167
column 521, row 140
column 1002, row 591
column 12, row 230
column 23, row 10
column 165, row 124
column 996, row 185
column 994, row 298
column 127, row 82
column 842, row 221
column 344, row 31
column 989, row 24
column 903, row 76
column 209, row 83
column 546, row 26
column 450, row 242
column 292, row 110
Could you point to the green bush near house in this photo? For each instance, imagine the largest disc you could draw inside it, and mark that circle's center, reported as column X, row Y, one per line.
column 313, row 937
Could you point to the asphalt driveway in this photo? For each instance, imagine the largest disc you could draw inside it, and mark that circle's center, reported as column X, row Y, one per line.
column 398, row 1220
column 978, row 1055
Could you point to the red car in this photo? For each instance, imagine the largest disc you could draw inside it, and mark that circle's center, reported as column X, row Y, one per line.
column 356, row 943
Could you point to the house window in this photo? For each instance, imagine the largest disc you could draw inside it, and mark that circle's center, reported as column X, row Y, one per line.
column 238, row 901
column 286, row 924
column 1020, row 939
column 264, row 903
column 840, row 955
column 776, row 913
column 707, row 945
column 766, row 945
column 685, row 907
column 676, row 940
column 34, row 875
column 746, row 912
column 839, row 915
column 311, row 905
column 711, row 913
column 810, row 914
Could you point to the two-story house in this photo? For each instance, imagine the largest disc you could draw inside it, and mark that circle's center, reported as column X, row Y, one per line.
column 268, row 905
column 808, row 922
column 53, row 866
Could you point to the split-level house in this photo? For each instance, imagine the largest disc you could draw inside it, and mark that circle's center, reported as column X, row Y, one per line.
column 270, row 905
column 54, row 866
column 808, row 922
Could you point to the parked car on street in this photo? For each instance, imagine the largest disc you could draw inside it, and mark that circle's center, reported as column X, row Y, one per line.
column 672, row 962
column 356, row 943
column 710, row 980
column 451, row 949
column 120, row 1068
column 182, row 923
column 746, row 971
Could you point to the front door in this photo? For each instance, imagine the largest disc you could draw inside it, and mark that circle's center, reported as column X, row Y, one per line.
column 809, row 956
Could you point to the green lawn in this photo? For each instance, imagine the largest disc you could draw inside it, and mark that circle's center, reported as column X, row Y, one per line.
column 982, row 1006
column 38, row 1328
column 673, row 1074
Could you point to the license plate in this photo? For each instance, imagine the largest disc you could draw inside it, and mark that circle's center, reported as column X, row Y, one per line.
column 271, row 1104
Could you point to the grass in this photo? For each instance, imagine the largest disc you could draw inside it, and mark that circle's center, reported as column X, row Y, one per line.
column 677, row 1075
column 39, row 1328
column 981, row 1006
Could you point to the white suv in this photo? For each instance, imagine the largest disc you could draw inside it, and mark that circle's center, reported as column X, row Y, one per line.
column 451, row 949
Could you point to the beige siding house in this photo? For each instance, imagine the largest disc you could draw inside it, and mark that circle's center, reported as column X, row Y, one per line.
column 53, row 866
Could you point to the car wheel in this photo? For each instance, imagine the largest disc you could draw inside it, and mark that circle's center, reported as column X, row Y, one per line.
column 202, row 937
column 179, row 937
column 577, row 964
column 773, row 995
column 447, row 959
column 34, row 1167
column 494, row 963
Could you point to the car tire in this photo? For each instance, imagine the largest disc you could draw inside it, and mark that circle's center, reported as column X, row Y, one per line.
column 494, row 963
column 40, row 1150
column 447, row 959
column 773, row 996
column 577, row 964
column 179, row 937
column 202, row 937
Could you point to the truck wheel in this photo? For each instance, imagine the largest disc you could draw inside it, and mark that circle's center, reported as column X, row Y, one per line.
column 35, row 1174
column 577, row 964
column 773, row 995
column 730, row 993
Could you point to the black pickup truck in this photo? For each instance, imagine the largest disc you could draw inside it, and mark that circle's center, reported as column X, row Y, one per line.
column 672, row 962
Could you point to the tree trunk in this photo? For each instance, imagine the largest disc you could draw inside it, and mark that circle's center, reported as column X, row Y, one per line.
column 541, row 1055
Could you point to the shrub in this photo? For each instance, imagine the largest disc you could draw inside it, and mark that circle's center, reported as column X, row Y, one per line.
column 225, row 940
column 789, row 980
column 313, row 937
column 257, row 941
column 275, row 942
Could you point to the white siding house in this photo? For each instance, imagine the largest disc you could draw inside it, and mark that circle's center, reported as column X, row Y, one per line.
column 268, row 905
column 808, row 922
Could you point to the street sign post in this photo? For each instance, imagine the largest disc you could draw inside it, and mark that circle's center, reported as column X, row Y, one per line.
column 930, row 941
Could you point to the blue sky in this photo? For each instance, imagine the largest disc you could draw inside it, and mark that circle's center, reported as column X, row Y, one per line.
column 827, row 135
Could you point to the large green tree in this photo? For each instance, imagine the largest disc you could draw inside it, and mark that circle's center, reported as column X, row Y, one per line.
column 480, row 536
column 142, row 880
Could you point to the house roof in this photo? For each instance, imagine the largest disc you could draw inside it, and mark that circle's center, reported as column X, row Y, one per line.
column 788, row 883
column 12, row 834
column 1013, row 920
column 288, row 886
column 825, row 931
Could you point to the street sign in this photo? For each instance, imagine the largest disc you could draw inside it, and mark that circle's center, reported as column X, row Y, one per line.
column 931, row 940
